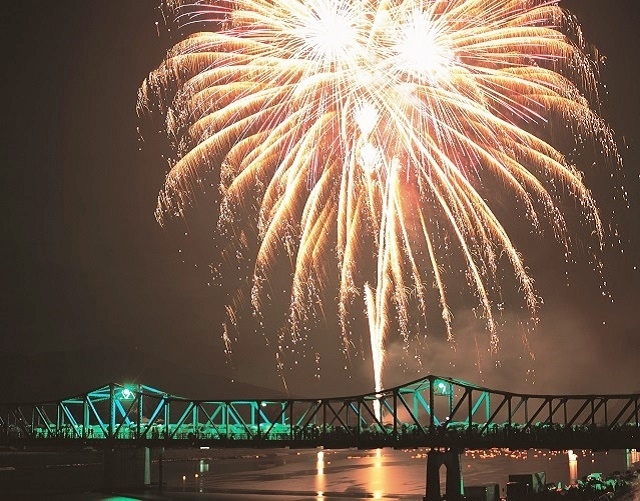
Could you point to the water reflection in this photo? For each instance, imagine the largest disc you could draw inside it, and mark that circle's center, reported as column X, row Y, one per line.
column 377, row 474
column 573, row 468
column 320, row 482
column 320, row 463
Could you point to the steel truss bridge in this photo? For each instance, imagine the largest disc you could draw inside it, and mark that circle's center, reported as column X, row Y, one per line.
column 436, row 412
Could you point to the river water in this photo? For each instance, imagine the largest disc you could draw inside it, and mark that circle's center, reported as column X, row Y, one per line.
column 377, row 474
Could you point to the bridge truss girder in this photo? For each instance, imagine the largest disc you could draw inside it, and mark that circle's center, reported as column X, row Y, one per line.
column 432, row 410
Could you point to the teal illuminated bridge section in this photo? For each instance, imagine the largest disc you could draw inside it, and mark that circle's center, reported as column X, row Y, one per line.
column 432, row 411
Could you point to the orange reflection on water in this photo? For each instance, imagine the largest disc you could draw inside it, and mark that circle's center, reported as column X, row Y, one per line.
column 320, row 480
column 573, row 468
column 378, row 476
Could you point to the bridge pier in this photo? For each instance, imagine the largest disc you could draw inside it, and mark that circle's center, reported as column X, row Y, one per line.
column 450, row 458
column 126, row 469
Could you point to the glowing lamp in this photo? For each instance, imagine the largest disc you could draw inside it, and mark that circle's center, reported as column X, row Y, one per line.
column 126, row 394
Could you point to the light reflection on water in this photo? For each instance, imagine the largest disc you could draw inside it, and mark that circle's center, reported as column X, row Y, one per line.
column 376, row 474
column 573, row 467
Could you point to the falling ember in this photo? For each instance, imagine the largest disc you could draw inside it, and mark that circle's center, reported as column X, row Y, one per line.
column 366, row 144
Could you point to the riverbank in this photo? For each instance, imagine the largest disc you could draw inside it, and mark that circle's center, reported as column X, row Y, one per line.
column 615, row 486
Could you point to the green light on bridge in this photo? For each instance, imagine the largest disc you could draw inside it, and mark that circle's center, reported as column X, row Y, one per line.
column 442, row 388
column 127, row 394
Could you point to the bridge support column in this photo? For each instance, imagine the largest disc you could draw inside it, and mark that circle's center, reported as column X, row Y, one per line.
column 450, row 458
column 147, row 467
column 126, row 469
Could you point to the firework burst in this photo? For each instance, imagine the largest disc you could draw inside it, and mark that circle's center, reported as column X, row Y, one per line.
column 367, row 144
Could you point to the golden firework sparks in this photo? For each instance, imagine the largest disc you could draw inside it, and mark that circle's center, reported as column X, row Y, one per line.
column 364, row 140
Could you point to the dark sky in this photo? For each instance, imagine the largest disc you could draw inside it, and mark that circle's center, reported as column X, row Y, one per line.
column 95, row 291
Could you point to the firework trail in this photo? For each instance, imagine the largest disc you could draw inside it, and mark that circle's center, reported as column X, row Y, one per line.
column 370, row 145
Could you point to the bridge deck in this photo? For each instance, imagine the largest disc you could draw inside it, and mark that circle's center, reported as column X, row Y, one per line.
column 429, row 412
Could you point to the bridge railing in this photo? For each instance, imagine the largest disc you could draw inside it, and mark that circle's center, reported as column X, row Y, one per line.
column 429, row 411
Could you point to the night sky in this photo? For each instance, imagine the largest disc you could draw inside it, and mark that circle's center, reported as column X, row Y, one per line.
column 95, row 291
